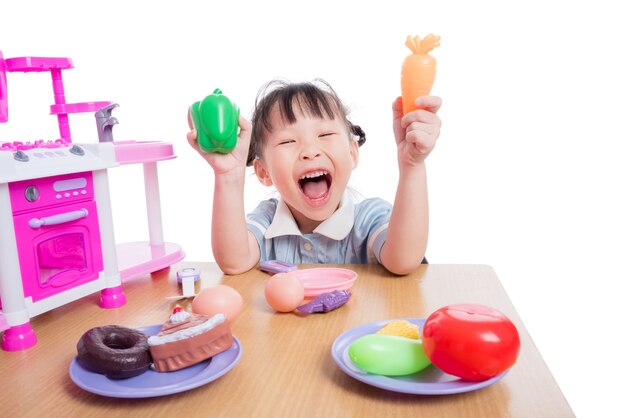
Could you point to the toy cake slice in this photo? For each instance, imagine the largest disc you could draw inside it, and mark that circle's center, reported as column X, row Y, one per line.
column 187, row 339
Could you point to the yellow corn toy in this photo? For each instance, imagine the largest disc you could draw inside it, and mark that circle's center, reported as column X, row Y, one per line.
column 401, row 328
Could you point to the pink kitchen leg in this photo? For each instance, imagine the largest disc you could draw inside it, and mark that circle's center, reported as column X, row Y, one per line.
column 19, row 337
column 112, row 297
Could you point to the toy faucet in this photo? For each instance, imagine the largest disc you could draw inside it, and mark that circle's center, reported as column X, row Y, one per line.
column 105, row 122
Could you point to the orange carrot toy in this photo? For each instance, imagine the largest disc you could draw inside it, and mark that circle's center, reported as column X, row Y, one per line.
column 418, row 70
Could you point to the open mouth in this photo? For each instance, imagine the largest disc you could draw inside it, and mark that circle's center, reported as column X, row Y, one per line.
column 315, row 184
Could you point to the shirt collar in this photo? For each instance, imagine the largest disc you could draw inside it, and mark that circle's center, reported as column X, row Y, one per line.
column 336, row 227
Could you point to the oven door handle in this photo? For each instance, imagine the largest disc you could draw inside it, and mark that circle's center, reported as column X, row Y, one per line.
column 36, row 223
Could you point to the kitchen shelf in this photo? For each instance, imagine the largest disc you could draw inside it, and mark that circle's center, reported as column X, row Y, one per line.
column 136, row 259
column 134, row 152
column 28, row 64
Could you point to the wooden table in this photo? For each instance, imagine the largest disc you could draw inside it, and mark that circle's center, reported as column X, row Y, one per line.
column 286, row 368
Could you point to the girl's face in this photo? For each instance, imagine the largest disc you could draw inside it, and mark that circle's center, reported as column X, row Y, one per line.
column 309, row 162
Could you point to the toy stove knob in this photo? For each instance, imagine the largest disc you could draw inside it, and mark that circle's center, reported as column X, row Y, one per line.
column 31, row 193
column 76, row 150
column 20, row 156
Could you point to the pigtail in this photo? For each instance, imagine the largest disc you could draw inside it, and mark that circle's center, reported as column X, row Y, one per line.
column 357, row 131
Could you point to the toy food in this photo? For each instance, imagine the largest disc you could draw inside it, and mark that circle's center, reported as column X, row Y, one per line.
column 284, row 292
column 388, row 355
column 401, row 328
column 326, row 302
column 187, row 339
column 276, row 266
column 218, row 299
column 216, row 120
column 418, row 70
column 471, row 341
column 114, row 351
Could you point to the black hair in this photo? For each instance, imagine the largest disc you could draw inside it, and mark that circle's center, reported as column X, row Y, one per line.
column 315, row 98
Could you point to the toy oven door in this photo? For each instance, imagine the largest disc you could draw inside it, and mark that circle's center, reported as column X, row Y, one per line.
column 58, row 248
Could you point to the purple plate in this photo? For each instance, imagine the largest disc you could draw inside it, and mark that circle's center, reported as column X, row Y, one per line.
column 430, row 381
column 153, row 383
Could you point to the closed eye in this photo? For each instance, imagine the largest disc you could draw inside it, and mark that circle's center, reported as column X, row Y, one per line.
column 326, row 134
column 286, row 141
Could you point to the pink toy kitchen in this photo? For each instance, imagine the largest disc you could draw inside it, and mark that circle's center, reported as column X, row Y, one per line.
column 56, row 223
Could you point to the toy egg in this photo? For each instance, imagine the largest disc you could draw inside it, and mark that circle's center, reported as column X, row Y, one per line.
column 284, row 292
column 218, row 299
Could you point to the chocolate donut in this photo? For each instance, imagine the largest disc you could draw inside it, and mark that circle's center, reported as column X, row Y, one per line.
column 114, row 351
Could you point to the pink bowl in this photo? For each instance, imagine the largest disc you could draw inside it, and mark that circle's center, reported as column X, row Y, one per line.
column 324, row 279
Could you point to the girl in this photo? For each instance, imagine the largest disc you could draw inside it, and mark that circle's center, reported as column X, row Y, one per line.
column 301, row 142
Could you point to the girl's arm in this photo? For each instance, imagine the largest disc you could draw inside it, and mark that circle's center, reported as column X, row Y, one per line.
column 235, row 249
column 407, row 233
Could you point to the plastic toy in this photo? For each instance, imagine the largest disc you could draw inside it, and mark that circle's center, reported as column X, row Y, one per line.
column 328, row 287
column 401, row 328
column 216, row 120
column 471, row 341
column 324, row 279
column 114, row 351
column 187, row 277
column 105, row 122
column 418, row 70
column 218, row 299
column 276, row 266
column 56, row 239
column 4, row 101
column 326, row 302
column 388, row 355
column 284, row 292
column 188, row 339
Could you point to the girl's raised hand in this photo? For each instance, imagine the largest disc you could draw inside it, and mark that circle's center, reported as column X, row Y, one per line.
column 416, row 132
column 224, row 163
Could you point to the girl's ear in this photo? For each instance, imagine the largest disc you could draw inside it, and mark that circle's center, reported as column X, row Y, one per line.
column 261, row 173
column 354, row 153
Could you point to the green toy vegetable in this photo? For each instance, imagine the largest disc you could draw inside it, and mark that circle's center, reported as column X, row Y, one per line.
column 388, row 355
column 216, row 120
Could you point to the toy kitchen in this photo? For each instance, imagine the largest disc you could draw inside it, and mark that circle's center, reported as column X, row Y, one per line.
column 56, row 222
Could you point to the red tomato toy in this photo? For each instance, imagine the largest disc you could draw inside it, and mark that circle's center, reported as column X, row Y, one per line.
column 473, row 342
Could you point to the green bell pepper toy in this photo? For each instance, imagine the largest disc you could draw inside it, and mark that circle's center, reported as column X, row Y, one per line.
column 216, row 120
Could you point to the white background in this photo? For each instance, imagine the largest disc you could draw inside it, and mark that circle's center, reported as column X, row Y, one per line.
column 528, row 175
